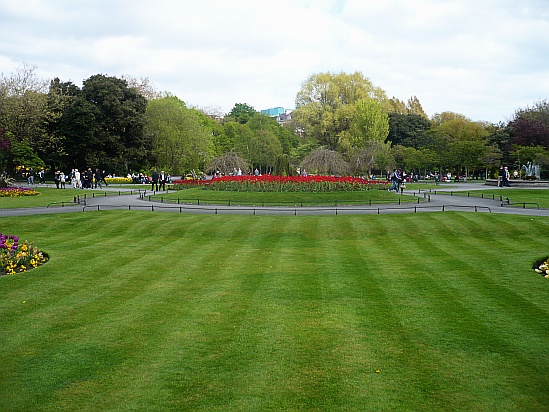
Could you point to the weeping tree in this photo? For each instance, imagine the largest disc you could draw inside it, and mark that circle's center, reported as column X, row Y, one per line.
column 325, row 161
column 227, row 163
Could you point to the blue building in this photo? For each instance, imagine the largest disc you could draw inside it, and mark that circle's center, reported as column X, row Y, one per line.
column 273, row 112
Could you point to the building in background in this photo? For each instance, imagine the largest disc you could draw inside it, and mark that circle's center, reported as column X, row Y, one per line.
column 283, row 116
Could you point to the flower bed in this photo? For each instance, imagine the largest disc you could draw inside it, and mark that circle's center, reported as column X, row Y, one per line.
column 269, row 183
column 122, row 180
column 17, row 192
column 16, row 257
column 541, row 266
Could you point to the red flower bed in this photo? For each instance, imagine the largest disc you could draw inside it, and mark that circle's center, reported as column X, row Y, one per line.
column 270, row 183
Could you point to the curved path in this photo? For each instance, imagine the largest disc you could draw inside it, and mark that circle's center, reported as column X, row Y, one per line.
column 433, row 203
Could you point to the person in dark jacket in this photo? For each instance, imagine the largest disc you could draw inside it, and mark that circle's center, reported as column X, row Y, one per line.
column 155, row 176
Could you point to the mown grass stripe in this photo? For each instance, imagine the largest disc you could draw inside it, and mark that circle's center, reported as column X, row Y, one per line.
column 257, row 313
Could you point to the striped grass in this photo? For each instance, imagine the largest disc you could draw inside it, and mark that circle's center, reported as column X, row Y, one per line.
column 145, row 311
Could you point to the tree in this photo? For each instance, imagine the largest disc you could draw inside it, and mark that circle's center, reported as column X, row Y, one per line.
column 414, row 107
column 226, row 163
column 143, row 86
column 265, row 149
column 325, row 104
column 370, row 123
column 467, row 141
column 23, row 107
column 180, row 140
column 408, row 130
column 325, row 161
column 104, row 126
column 241, row 113
column 530, row 126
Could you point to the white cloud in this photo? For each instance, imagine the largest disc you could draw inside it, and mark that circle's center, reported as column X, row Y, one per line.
column 482, row 58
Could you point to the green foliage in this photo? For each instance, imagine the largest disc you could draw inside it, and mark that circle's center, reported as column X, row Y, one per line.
column 242, row 112
column 181, row 137
column 325, row 105
column 104, row 126
column 408, row 130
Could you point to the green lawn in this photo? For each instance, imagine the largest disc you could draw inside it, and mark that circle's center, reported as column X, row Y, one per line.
column 153, row 311
column 52, row 197
column 517, row 197
column 198, row 195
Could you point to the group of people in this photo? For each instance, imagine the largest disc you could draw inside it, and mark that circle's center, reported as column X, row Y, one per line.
column 41, row 175
column 86, row 179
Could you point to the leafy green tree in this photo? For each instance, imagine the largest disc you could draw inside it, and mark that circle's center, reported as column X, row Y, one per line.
column 325, row 105
column 104, row 126
column 23, row 108
column 241, row 113
column 180, row 139
column 408, row 130
column 370, row 123
column 265, row 149
column 467, row 141
column 415, row 108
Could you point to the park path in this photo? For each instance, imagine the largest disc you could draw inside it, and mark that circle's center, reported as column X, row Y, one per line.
column 431, row 201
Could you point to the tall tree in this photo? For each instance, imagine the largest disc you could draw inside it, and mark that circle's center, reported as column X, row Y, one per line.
column 408, row 130
column 180, row 139
column 23, row 107
column 414, row 107
column 104, row 125
column 325, row 104
column 241, row 113
column 530, row 126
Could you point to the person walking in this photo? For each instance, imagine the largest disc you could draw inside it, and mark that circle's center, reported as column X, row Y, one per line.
column 98, row 178
column 506, row 177
column 155, row 176
column 62, row 179
column 162, row 180
column 42, row 175
column 57, row 178
column 30, row 178
column 395, row 179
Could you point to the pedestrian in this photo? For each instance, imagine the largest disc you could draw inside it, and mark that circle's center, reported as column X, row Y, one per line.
column 57, row 178
column 62, row 179
column 162, row 180
column 31, row 176
column 395, row 177
column 506, row 176
column 42, row 175
column 98, row 178
column 155, row 177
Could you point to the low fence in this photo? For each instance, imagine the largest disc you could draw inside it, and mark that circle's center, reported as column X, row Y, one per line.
column 295, row 211
column 301, row 204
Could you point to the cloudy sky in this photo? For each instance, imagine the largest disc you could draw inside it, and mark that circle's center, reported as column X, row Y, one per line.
column 481, row 58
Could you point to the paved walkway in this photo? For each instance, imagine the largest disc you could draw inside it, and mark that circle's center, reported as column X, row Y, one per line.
column 431, row 201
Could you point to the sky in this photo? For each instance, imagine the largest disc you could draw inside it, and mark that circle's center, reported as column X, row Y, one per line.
column 481, row 58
